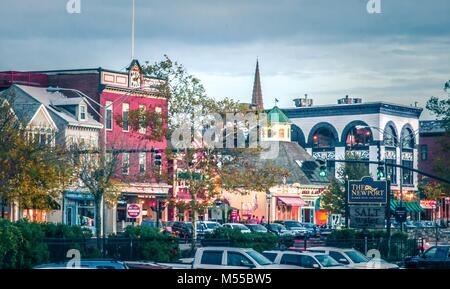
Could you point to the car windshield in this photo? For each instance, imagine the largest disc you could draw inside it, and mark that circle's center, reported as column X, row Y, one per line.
column 239, row 226
column 212, row 225
column 257, row 227
column 293, row 224
column 327, row 261
column 260, row 259
column 356, row 256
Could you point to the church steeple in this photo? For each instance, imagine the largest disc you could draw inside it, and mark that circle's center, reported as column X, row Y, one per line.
column 257, row 99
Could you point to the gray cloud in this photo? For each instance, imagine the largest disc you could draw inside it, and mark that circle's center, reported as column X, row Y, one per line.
column 324, row 48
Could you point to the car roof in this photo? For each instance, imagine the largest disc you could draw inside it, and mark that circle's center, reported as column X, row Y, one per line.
column 294, row 252
column 330, row 248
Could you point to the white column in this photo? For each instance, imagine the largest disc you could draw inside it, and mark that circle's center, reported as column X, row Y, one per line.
column 340, row 154
column 373, row 156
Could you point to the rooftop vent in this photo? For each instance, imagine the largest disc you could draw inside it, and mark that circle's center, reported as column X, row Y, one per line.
column 303, row 102
column 349, row 100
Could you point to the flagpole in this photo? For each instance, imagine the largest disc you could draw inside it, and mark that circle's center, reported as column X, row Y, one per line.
column 132, row 31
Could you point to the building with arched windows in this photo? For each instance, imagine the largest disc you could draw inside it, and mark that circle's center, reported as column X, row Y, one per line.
column 375, row 131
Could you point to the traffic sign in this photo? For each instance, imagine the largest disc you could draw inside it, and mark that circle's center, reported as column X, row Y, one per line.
column 133, row 211
column 400, row 214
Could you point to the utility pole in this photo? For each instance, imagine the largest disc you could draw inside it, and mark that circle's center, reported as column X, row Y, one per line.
column 346, row 202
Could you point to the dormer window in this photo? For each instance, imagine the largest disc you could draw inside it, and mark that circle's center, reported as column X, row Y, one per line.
column 82, row 112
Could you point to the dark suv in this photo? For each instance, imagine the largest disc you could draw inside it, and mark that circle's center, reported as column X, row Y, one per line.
column 436, row 257
column 182, row 229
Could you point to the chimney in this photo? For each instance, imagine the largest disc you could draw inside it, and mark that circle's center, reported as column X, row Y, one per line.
column 303, row 102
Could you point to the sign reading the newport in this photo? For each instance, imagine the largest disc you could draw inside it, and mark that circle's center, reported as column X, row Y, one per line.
column 367, row 191
column 367, row 217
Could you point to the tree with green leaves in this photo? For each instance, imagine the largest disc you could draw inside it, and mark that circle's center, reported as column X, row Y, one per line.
column 333, row 198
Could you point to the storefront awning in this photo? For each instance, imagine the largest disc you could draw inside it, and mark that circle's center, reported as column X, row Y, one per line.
column 411, row 207
column 292, row 201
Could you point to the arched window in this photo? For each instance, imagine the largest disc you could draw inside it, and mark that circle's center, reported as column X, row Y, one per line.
column 323, row 138
column 407, row 138
column 390, row 136
column 358, row 136
column 281, row 133
column 407, row 156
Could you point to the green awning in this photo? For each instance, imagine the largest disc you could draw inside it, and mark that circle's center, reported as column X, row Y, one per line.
column 411, row 207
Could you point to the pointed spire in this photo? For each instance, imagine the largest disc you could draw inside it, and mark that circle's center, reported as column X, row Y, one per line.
column 257, row 99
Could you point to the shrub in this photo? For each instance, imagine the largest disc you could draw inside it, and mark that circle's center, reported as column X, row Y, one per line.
column 235, row 238
column 10, row 238
column 149, row 244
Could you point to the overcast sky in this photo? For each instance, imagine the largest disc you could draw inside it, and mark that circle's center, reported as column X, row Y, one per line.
column 324, row 48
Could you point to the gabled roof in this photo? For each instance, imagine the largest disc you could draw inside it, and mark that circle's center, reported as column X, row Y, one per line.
column 275, row 115
column 35, row 96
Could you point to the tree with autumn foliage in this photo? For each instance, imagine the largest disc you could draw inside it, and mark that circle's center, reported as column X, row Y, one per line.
column 32, row 174
column 206, row 169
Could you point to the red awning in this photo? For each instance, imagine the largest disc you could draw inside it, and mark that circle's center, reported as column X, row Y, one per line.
column 292, row 201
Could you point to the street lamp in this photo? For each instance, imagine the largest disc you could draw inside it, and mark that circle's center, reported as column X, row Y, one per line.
column 120, row 99
column 269, row 199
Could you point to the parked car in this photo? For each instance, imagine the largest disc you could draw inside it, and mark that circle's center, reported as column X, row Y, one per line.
column 257, row 228
column 353, row 258
column 228, row 258
column 151, row 223
column 209, row 226
column 308, row 260
column 409, row 225
column 243, row 228
column 296, row 227
column 279, row 229
column 86, row 264
column 436, row 257
column 184, row 229
column 313, row 230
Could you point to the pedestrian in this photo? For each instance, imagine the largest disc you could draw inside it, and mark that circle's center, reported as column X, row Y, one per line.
column 257, row 220
column 263, row 220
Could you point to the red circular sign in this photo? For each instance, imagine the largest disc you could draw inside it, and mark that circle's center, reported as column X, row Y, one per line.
column 133, row 211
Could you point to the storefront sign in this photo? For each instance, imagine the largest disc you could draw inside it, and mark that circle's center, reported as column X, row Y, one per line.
column 428, row 204
column 400, row 214
column 369, row 217
column 133, row 211
column 367, row 191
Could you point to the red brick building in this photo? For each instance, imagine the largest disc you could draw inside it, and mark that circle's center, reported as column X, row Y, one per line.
column 125, row 91
column 432, row 134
